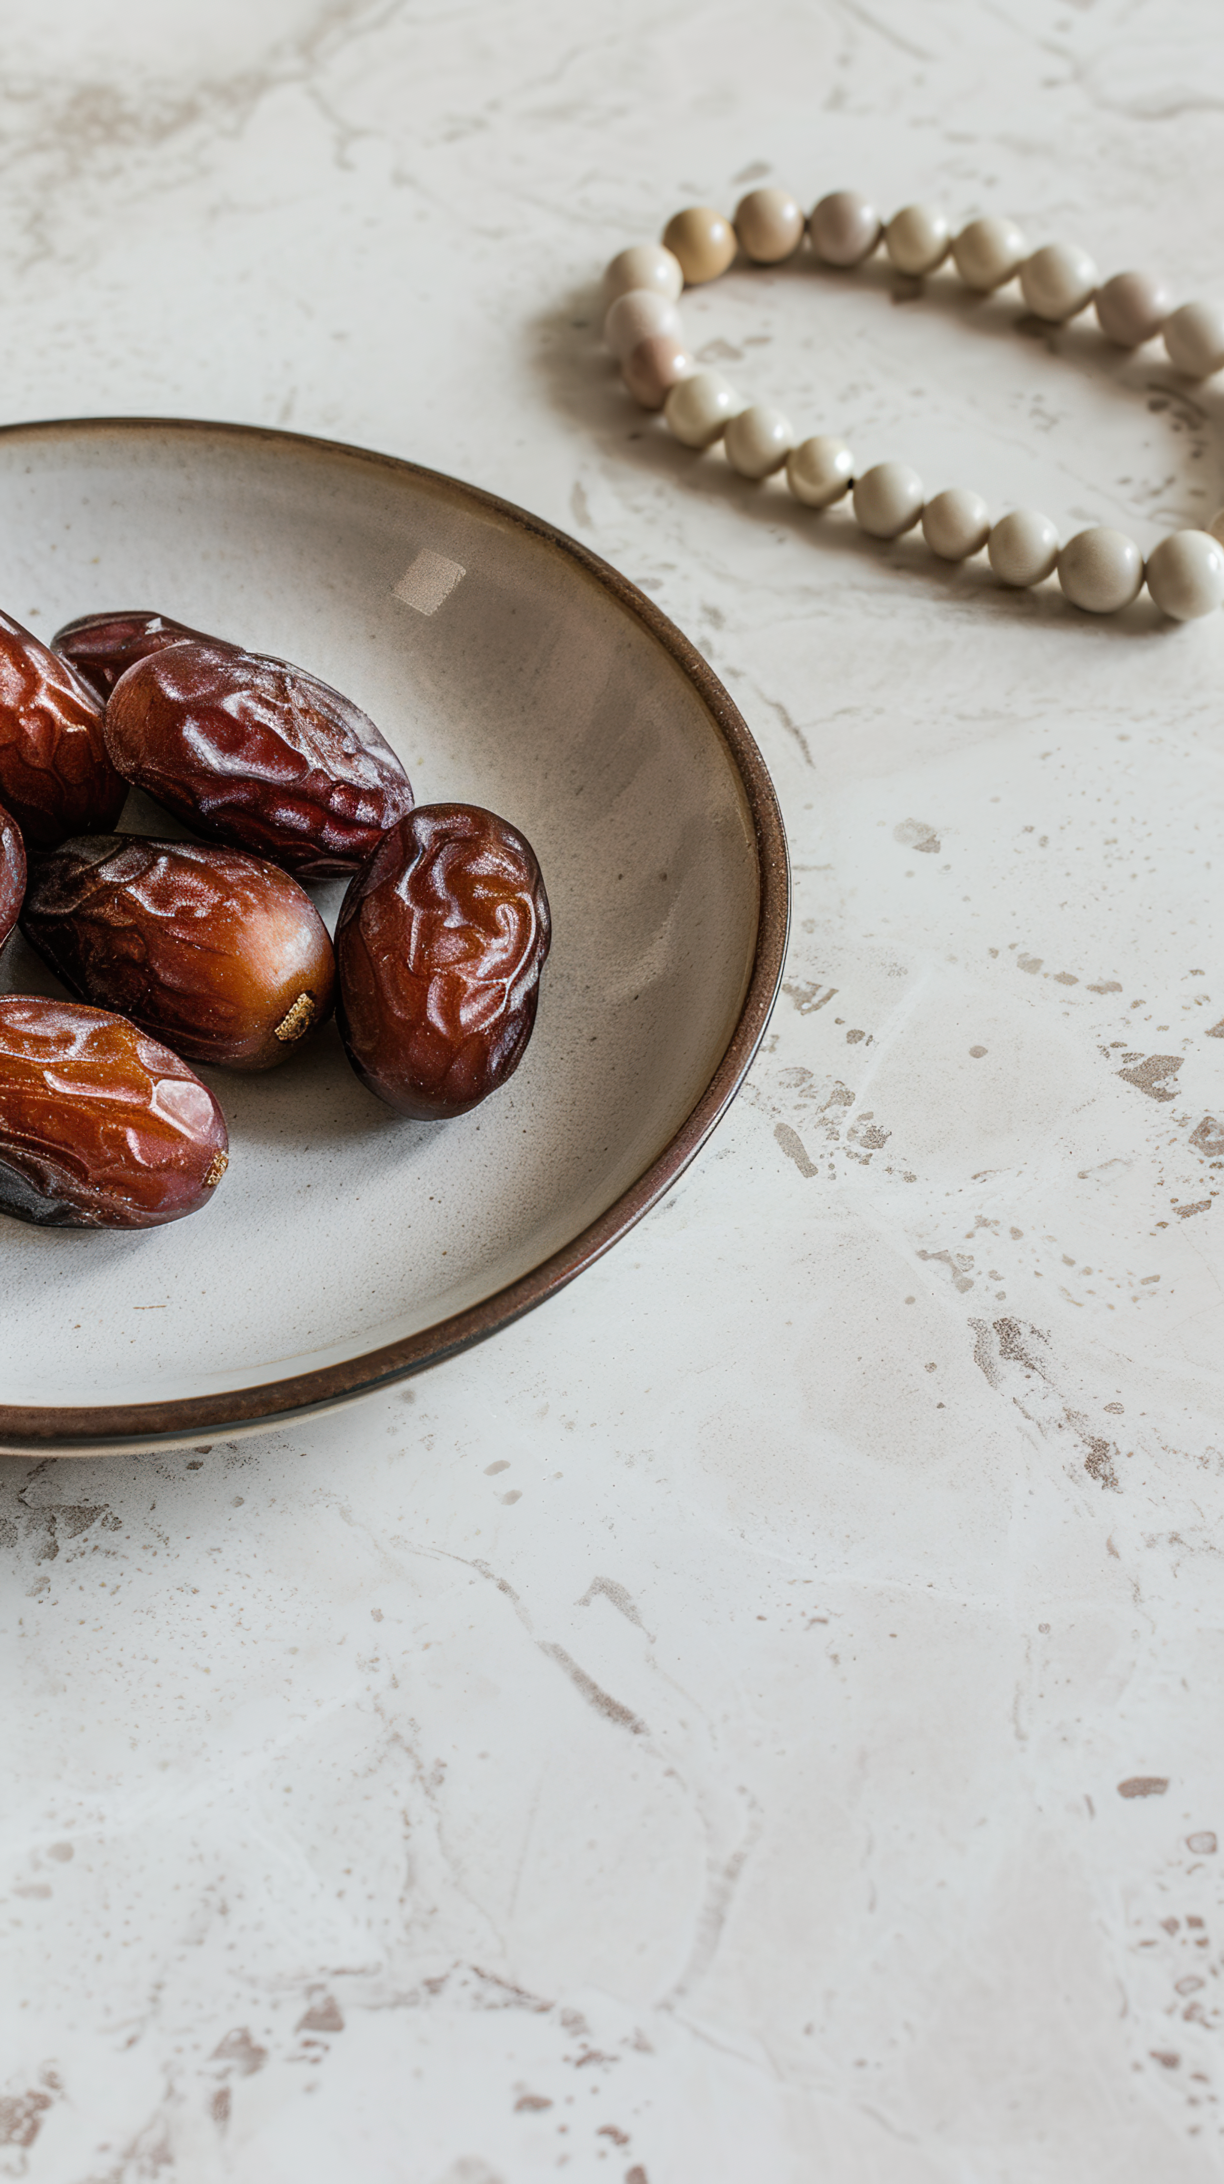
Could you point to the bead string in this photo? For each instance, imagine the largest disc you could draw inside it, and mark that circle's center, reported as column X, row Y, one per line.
column 1100, row 569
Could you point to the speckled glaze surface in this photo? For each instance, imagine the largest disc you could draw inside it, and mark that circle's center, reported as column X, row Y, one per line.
column 508, row 668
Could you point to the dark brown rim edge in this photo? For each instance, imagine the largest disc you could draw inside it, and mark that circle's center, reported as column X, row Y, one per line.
column 37, row 1430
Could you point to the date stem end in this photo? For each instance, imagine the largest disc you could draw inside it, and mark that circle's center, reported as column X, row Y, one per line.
column 298, row 1020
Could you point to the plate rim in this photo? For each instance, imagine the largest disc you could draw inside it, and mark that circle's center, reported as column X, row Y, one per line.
column 113, row 1427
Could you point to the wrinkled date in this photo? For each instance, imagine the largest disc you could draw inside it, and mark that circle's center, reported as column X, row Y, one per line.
column 12, row 873
column 258, row 754
column 439, row 948
column 221, row 955
column 101, row 647
column 100, row 1127
column 55, row 775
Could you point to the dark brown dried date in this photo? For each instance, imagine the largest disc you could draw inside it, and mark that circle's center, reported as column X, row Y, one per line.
column 222, row 956
column 101, row 647
column 55, row 775
column 440, row 945
column 257, row 753
column 12, row 873
column 100, row 1127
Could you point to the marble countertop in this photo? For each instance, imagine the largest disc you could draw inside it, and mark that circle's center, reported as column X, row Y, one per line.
column 756, row 1718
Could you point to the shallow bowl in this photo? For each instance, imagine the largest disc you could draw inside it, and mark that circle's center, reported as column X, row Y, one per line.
column 510, row 668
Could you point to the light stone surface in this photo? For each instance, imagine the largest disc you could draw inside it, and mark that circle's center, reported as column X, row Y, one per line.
column 758, row 1718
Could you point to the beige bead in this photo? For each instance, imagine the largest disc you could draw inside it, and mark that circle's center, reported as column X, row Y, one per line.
column 769, row 225
column 844, row 228
column 1194, row 338
column 1058, row 282
column 703, row 242
column 1023, row 548
column 1185, row 575
column 698, row 410
column 820, row 470
column 956, row 524
column 1216, row 527
column 758, row 441
column 988, row 253
column 635, row 317
column 643, row 265
column 917, row 239
column 888, row 499
column 652, row 369
column 1132, row 307
column 1100, row 569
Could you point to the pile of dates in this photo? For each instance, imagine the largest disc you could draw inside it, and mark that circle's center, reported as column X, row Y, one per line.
column 212, row 950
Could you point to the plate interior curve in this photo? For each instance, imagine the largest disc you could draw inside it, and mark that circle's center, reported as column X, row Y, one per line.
column 505, row 673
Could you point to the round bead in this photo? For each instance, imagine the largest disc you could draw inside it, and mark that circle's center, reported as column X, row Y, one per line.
column 844, row 228
column 988, row 252
column 1023, row 548
column 956, row 524
column 698, row 410
column 769, row 225
column 917, row 239
column 820, row 470
column 758, row 441
column 1194, row 338
column 652, row 369
column 635, row 317
column 643, row 265
column 1132, row 307
column 1100, row 569
column 888, row 499
column 703, row 242
column 1185, row 575
column 1058, row 281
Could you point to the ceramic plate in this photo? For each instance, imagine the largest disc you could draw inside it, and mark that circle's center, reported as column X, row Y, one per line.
column 510, row 668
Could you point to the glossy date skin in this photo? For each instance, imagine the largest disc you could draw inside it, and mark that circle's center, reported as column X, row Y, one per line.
column 100, row 1127
column 220, row 955
column 439, row 948
column 101, row 647
column 258, row 754
column 12, row 873
column 55, row 776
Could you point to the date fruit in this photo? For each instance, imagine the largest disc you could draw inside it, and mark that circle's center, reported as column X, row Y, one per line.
column 222, row 956
column 440, row 945
column 55, row 775
column 102, row 646
column 12, row 873
column 257, row 753
column 100, row 1127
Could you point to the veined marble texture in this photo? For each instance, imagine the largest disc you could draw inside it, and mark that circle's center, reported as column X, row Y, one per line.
column 758, row 1720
